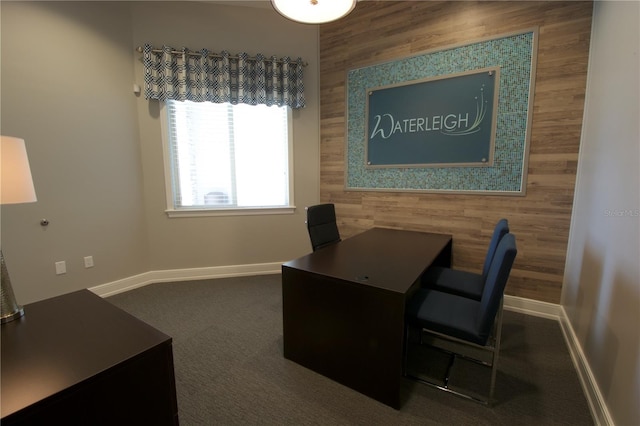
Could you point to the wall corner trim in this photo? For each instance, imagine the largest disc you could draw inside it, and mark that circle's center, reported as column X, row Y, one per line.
column 597, row 403
column 532, row 307
column 169, row 275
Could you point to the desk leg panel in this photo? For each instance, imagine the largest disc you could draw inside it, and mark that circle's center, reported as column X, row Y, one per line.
column 139, row 391
column 348, row 332
column 444, row 259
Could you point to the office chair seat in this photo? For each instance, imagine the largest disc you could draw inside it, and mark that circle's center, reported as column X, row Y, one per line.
column 454, row 281
column 465, row 320
column 462, row 317
column 446, row 313
column 463, row 283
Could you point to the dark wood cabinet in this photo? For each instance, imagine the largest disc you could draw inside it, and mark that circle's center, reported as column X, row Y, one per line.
column 78, row 360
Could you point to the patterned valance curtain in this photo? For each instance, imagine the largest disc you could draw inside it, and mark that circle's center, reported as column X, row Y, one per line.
column 209, row 77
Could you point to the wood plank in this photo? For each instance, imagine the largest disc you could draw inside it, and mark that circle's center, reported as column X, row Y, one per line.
column 380, row 31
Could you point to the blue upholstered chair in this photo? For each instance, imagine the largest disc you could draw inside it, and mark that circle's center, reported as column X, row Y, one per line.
column 322, row 225
column 465, row 321
column 464, row 283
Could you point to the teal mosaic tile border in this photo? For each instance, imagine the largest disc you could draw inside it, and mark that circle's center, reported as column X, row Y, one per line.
column 514, row 54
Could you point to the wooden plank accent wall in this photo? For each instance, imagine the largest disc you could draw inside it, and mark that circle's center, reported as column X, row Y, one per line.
column 378, row 31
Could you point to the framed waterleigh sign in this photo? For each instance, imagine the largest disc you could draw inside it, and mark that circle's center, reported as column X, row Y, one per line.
column 440, row 121
column 453, row 120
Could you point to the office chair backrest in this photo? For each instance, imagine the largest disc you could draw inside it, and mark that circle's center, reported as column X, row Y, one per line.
column 499, row 231
column 497, row 278
column 322, row 226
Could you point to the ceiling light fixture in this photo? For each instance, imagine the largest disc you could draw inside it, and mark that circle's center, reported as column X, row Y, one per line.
column 314, row 11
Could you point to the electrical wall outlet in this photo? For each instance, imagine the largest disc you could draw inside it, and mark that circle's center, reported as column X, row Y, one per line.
column 61, row 267
column 88, row 261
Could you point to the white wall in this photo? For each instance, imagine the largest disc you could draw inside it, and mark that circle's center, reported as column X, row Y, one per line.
column 66, row 73
column 601, row 292
column 234, row 240
column 95, row 148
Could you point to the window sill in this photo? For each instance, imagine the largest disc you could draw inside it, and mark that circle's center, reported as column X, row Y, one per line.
column 249, row 211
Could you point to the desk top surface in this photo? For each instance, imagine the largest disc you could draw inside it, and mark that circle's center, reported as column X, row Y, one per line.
column 389, row 259
column 63, row 341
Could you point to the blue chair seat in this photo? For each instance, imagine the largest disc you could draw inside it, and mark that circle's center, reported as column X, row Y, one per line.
column 454, row 281
column 446, row 313
column 463, row 319
column 463, row 283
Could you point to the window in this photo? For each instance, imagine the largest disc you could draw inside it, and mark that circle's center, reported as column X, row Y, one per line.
column 224, row 158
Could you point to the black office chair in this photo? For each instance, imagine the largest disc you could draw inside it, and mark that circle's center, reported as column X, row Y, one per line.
column 322, row 225
column 464, row 283
column 461, row 326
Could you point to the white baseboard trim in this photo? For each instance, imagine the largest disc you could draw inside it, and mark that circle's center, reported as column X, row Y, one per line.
column 597, row 404
column 168, row 275
column 511, row 303
column 532, row 307
column 120, row 286
column 599, row 411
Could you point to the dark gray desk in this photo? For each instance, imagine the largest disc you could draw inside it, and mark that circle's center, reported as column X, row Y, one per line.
column 343, row 306
column 78, row 360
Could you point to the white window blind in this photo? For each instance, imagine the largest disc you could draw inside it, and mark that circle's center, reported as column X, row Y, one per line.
column 224, row 156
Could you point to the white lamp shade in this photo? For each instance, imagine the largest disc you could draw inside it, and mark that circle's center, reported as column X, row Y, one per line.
column 313, row 11
column 16, row 185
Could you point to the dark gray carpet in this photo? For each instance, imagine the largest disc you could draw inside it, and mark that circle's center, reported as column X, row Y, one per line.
column 227, row 344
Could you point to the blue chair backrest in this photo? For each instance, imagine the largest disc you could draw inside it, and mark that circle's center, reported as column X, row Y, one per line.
column 322, row 226
column 499, row 231
column 497, row 278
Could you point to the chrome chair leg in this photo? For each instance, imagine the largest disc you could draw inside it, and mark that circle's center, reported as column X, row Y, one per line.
column 493, row 364
column 496, row 351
